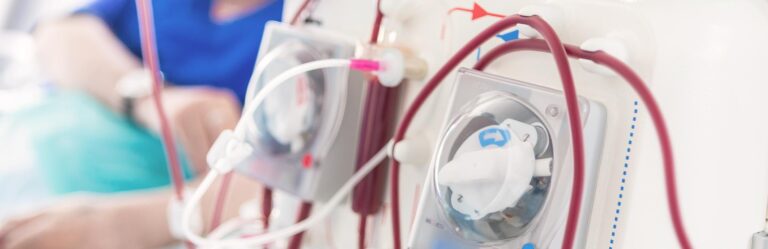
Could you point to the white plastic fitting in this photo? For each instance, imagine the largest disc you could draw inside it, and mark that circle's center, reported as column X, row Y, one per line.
column 393, row 67
column 227, row 151
column 551, row 14
column 611, row 46
column 413, row 151
column 174, row 212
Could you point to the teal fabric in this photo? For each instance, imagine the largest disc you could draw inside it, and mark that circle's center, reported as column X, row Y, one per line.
column 81, row 145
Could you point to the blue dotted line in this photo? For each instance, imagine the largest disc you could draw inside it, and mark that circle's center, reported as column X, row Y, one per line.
column 624, row 175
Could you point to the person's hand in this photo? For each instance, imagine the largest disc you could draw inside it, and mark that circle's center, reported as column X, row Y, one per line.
column 197, row 116
column 80, row 224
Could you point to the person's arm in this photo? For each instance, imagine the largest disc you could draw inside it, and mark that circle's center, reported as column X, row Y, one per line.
column 149, row 211
column 81, row 52
column 133, row 220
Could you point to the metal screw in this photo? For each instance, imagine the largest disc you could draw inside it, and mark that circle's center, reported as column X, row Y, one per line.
column 552, row 110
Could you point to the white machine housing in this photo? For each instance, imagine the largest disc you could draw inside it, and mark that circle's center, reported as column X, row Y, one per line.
column 703, row 60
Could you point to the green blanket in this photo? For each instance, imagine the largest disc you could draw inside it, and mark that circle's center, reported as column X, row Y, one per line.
column 81, row 145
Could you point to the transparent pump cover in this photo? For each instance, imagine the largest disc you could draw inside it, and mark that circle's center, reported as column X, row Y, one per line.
column 292, row 118
column 516, row 121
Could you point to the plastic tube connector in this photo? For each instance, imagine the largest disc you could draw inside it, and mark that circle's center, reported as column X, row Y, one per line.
column 413, row 151
column 365, row 65
column 174, row 213
column 228, row 151
column 395, row 64
column 392, row 71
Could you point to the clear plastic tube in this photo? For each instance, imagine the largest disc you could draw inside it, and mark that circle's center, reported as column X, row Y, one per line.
column 151, row 61
column 283, row 233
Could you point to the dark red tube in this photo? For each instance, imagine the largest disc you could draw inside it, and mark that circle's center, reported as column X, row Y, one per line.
column 266, row 205
column 574, row 116
column 304, row 211
column 646, row 96
column 362, row 225
column 377, row 124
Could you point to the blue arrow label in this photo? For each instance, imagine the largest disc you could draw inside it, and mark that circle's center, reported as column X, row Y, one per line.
column 509, row 36
column 493, row 136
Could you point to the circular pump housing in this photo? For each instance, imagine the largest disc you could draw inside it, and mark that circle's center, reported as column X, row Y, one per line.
column 494, row 167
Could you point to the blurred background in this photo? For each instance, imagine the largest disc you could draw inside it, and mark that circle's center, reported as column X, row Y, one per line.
column 21, row 86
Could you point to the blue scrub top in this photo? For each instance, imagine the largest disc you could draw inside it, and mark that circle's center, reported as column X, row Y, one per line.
column 83, row 146
column 194, row 49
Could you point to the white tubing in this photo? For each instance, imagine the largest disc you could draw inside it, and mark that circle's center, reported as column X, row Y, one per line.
column 247, row 122
column 188, row 211
column 283, row 233
column 227, row 228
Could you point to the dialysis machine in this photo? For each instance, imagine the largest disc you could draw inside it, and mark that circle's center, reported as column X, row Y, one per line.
column 488, row 161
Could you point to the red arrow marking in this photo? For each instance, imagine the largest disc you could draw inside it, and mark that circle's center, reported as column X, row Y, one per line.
column 477, row 12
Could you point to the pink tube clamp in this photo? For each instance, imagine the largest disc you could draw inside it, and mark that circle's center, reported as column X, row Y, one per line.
column 365, row 65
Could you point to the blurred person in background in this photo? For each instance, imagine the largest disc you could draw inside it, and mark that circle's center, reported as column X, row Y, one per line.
column 94, row 136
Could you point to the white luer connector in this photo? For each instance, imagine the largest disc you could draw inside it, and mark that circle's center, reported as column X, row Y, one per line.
column 174, row 212
column 392, row 69
column 228, row 151
column 395, row 64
